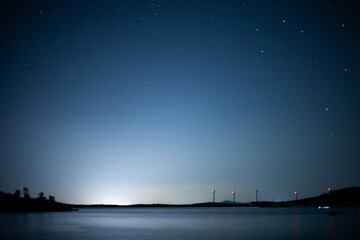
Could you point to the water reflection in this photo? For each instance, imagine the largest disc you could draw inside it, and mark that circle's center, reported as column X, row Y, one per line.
column 213, row 223
column 233, row 224
column 296, row 224
column 234, row 230
column 180, row 224
column 331, row 224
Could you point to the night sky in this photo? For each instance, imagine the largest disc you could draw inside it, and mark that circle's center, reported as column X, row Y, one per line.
column 159, row 101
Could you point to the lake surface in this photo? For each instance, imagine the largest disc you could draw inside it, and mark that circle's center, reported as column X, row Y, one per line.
column 181, row 223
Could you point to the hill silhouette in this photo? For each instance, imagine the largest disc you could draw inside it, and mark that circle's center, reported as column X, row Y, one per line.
column 347, row 197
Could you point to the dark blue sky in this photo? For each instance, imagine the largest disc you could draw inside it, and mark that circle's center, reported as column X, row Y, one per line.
column 159, row 101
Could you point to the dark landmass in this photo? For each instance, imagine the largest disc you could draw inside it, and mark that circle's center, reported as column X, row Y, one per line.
column 347, row 197
column 10, row 203
column 343, row 198
column 156, row 205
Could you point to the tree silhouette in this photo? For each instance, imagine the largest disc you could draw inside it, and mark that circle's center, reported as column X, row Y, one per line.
column 26, row 192
column 51, row 198
column 41, row 196
column 17, row 193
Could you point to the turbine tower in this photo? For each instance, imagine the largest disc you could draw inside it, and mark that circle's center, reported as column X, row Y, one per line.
column 213, row 192
column 233, row 193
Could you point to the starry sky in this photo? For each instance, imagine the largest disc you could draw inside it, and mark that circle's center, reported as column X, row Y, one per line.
column 160, row 101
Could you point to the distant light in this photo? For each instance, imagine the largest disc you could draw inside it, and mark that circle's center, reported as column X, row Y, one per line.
column 296, row 192
column 283, row 21
column 233, row 192
column 213, row 190
column 323, row 207
column 329, row 189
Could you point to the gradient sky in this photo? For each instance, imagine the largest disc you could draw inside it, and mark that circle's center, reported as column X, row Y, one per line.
column 159, row 101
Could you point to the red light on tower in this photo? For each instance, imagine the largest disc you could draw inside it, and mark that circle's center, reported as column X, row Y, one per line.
column 233, row 193
column 329, row 189
column 213, row 192
column 296, row 195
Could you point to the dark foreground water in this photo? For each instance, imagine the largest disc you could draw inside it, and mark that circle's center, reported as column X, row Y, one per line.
column 181, row 223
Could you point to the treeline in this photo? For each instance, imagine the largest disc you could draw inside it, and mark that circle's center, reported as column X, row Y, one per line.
column 26, row 194
column 22, row 202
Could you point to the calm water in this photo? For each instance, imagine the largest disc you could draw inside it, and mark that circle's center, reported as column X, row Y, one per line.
column 182, row 223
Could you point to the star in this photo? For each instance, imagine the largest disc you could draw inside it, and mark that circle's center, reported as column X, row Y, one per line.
column 283, row 21
column 326, row 109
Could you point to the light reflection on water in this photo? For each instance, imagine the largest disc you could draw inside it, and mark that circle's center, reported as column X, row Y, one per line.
column 296, row 224
column 180, row 223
